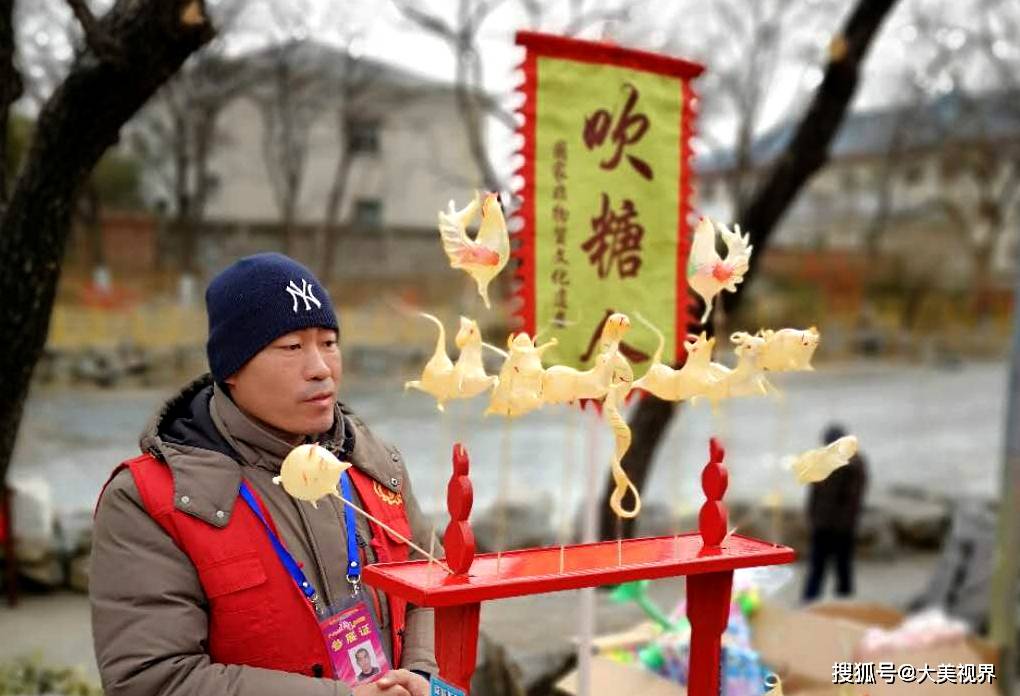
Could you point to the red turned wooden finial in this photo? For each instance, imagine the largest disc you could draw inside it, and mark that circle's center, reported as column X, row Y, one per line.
column 459, row 540
column 713, row 518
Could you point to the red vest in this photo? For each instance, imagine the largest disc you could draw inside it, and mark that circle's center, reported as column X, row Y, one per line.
column 257, row 616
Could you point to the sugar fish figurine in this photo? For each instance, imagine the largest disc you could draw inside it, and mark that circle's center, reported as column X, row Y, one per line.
column 788, row 350
column 707, row 273
column 487, row 254
column 817, row 464
column 310, row 472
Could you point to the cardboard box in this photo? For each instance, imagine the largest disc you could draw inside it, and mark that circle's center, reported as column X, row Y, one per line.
column 802, row 645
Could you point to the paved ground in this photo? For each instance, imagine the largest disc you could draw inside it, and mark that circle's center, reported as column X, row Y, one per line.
column 57, row 625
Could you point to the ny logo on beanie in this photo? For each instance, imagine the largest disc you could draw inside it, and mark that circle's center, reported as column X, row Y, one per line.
column 305, row 293
column 247, row 311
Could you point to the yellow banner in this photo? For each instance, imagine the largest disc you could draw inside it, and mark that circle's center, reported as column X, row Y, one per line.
column 605, row 195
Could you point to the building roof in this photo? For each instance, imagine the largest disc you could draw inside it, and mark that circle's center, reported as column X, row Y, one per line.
column 332, row 61
column 957, row 117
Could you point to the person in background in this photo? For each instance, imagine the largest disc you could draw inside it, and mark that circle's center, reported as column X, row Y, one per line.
column 833, row 511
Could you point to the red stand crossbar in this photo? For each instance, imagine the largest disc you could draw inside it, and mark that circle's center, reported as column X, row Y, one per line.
column 707, row 557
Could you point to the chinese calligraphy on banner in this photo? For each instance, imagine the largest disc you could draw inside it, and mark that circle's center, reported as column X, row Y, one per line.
column 606, row 193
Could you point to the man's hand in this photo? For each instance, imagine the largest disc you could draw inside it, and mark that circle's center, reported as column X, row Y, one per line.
column 397, row 682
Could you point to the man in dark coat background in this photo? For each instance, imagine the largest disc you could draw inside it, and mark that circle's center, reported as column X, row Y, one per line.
column 834, row 510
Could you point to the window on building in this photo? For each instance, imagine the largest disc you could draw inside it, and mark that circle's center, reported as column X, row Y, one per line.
column 368, row 212
column 362, row 136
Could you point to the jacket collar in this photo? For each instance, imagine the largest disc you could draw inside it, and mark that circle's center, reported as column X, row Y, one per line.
column 206, row 439
column 256, row 444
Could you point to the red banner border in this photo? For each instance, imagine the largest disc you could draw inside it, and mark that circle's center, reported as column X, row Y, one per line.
column 604, row 54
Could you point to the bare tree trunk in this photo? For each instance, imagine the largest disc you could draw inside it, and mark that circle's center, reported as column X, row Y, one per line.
column 89, row 213
column 805, row 155
column 149, row 40
column 182, row 225
column 467, row 87
column 328, row 239
column 10, row 88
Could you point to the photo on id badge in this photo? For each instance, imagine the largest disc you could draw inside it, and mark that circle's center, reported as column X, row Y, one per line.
column 354, row 646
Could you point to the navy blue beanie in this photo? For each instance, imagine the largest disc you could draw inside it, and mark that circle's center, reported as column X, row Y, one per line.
column 255, row 301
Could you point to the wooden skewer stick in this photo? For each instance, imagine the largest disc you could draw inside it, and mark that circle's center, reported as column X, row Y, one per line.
column 398, row 535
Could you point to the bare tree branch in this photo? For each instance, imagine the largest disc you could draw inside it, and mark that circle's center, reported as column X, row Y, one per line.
column 428, row 22
column 462, row 41
column 100, row 43
column 582, row 22
column 803, row 156
column 77, row 125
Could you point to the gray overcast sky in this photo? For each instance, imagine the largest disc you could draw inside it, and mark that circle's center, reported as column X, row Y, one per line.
column 385, row 35
column 388, row 36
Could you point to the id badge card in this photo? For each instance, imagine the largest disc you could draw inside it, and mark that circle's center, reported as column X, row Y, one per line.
column 354, row 645
column 437, row 687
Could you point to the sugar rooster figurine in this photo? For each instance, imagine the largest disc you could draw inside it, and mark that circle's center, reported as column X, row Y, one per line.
column 707, row 273
column 487, row 254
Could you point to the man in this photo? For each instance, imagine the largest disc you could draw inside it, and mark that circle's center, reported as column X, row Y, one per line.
column 190, row 592
column 834, row 510
column 365, row 665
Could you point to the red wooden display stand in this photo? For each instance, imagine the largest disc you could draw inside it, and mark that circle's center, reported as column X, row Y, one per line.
column 707, row 557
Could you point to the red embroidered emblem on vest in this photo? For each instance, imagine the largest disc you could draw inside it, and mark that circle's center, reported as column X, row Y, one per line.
column 387, row 496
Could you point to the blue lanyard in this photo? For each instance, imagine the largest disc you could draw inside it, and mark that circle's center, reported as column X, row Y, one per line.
column 292, row 567
column 353, row 556
column 288, row 561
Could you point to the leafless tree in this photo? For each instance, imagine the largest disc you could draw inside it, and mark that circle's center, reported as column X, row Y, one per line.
column 356, row 77
column 754, row 49
column 131, row 51
column 179, row 132
column 11, row 88
column 966, row 124
column 462, row 37
column 290, row 95
column 802, row 157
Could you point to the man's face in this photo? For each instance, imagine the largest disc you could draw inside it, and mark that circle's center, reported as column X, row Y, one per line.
column 291, row 384
column 363, row 662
